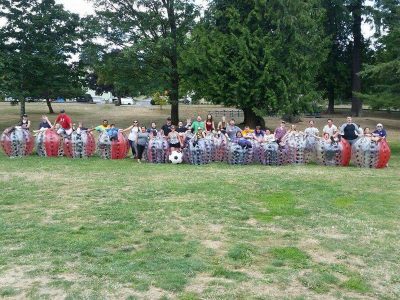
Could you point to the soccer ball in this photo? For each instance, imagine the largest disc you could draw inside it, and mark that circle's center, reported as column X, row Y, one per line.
column 176, row 157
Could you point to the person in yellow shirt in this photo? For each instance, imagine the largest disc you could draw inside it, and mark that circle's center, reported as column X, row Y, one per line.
column 101, row 128
column 247, row 132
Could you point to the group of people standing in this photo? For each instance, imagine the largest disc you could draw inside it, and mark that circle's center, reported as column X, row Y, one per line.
column 177, row 136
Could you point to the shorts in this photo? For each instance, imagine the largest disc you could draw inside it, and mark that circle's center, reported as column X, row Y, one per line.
column 177, row 145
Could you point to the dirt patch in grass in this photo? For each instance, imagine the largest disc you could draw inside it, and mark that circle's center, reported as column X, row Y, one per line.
column 215, row 245
column 313, row 248
column 17, row 278
column 199, row 283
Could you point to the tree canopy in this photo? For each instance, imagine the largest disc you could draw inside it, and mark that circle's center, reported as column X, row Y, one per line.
column 38, row 41
column 151, row 34
column 260, row 56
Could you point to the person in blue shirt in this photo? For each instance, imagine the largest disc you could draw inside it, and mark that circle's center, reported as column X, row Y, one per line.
column 380, row 131
column 112, row 132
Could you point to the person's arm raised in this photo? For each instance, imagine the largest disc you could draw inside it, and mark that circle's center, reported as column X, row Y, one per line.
column 127, row 129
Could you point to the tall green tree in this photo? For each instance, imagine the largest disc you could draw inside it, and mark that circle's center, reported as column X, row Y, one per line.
column 335, row 73
column 38, row 39
column 154, row 31
column 384, row 75
column 356, row 9
column 260, row 56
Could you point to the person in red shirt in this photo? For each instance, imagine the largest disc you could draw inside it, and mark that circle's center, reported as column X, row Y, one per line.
column 65, row 123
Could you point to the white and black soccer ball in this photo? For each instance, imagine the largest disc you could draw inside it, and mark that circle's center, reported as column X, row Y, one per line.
column 175, row 157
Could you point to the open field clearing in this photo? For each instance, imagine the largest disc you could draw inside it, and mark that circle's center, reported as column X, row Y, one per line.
column 102, row 229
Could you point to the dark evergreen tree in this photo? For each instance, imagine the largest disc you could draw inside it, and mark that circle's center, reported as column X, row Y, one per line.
column 335, row 73
column 259, row 56
column 384, row 75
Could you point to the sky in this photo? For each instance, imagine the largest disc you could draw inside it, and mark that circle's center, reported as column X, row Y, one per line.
column 85, row 7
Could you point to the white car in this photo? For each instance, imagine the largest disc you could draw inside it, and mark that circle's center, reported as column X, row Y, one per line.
column 98, row 99
column 127, row 101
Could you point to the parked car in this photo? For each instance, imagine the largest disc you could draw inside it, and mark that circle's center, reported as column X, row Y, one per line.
column 85, row 98
column 127, row 101
column 98, row 99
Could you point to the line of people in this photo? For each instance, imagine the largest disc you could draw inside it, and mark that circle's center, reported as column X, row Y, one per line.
column 138, row 136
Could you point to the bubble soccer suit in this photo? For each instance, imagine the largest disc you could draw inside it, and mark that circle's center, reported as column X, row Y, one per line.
column 333, row 153
column 17, row 142
column 371, row 153
column 240, row 152
column 49, row 143
column 112, row 149
column 158, row 150
column 81, row 144
column 199, row 151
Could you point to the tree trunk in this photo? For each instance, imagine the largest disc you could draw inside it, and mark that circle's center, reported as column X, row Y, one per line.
column 174, row 96
column 22, row 105
column 331, row 99
column 174, row 75
column 251, row 119
column 356, row 104
column 118, row 102
column 51, row 111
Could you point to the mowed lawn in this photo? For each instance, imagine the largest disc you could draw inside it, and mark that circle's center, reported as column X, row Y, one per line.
column 101, row 229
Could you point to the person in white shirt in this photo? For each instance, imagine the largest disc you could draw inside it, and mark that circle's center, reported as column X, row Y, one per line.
column 330, row 129
column 134, row 129
column 311, row 130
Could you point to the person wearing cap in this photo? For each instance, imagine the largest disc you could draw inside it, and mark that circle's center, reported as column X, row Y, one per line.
column 349, row 131
column 379, row 131
column 280, row 132
column 25, row 123
column 166, row 128
column 65, row 124
column 199, row 135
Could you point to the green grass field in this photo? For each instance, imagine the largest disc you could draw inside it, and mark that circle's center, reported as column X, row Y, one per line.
column 100, row 229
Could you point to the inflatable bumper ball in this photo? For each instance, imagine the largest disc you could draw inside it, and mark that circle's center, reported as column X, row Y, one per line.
column 333, row 154
column 296, row 146
column 239, row 154
column 80, row 145
column 186, row 147
column 158, row 150
column 270, row 154
column 115, row 149
column 258, row 152
column 197, row 152
column 370, row 154
column 16, row 142
column 310, row 150
column 209, row 149
column 219, row 153
column 49, row 144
